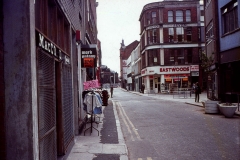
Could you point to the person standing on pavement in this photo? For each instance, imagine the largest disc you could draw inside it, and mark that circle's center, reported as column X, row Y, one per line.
column 111, row 90
column 197, row 92
column 143, row 87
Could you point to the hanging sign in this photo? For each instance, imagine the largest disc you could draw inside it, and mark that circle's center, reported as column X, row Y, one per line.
column 88, row 56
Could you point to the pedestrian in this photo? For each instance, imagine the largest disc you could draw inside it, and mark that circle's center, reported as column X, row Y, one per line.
column 143, row 88
column 111, row 89
column 197, row 92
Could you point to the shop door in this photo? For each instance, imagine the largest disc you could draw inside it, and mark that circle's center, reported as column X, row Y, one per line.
column 46, row 106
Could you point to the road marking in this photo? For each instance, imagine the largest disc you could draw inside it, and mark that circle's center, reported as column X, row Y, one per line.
column 125, row 122
column 133, row 128
column 149, row 158
column 139, row 158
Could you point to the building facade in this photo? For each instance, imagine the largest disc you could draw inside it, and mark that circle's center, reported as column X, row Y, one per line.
column 172, row 38
column 39, row 78
column 229, row 54
column 125, row 52
column 212, row 47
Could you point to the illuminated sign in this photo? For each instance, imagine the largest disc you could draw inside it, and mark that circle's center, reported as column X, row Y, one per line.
column 88, row 56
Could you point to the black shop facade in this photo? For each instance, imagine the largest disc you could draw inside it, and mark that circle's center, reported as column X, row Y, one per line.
column 55, row 98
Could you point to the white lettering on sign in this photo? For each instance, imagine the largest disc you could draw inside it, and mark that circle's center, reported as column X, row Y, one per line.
column 86, row 52
column 175, row 69
column 48, row 46
column 152, row 27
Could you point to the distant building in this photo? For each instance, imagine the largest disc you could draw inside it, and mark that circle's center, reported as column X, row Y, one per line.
column 172, row 38
column 125, row 52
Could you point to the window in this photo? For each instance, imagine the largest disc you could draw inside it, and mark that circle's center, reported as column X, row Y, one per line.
column 152, row 57
column 230, row 17
column 170, row 16
column 152, row 36
column 179, row 16
column 189, row 34
column 189, row 56
column 143, row 60
column 180, row 56
column 172, row 56
column 171, row 34
column 180, row 33
column 209, row 31
column 154, row 17
column 188, row 15
column 148, row 18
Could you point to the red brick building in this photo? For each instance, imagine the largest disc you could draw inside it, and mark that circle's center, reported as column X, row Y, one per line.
column 172, row 38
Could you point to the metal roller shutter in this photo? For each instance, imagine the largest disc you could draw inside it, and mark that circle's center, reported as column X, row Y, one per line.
column 46, row 106
column 67, row 102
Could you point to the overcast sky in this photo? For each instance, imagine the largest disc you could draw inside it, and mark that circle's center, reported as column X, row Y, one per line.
column 117, row 20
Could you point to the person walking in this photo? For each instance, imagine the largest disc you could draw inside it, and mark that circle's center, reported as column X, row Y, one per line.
column 111, row 90
column 197, row 92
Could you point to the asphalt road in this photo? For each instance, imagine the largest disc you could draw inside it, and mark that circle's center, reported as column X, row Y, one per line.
column 157, row 129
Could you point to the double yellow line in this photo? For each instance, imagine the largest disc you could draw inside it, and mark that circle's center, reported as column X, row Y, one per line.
column 130, row 127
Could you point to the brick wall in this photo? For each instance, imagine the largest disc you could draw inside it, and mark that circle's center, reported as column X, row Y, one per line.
column 2, row 95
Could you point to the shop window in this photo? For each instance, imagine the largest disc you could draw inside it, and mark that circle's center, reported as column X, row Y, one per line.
column 171, row 34
column 179, row 16
column 230, row 17
column 180, row 33
column 170, row 16
column 188, row 15
column 189, row 34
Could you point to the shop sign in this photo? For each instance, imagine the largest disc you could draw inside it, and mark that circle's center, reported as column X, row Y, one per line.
column 167, row 70
column 144, row 72
column 194, row 67
column 88, row 57
column 51, row 48
column 195, row 74
column 152, row 27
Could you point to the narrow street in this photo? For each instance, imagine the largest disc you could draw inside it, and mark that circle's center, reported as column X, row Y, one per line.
column 156, row 129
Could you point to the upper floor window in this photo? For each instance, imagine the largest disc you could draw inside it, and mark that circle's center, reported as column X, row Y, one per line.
column 171, row 34
column 230, row 17
column 180, row 34
column 152, row 57
column 170, row 16
column 148, row 18
column 152, row 36
column 154, row 17
column 179, row 16
column 188, row 15
column 189, row 34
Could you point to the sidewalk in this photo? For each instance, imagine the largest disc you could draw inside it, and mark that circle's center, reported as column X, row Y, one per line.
column 171, row 97
column 110, row 143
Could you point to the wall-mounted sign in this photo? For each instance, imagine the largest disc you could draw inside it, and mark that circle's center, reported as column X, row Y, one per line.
column 88, row 56
column 152, row 27
column 49, row 47
column 194, row 67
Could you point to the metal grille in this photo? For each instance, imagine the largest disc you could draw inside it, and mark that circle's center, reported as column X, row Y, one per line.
column 46, row 106
column 67, row 100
